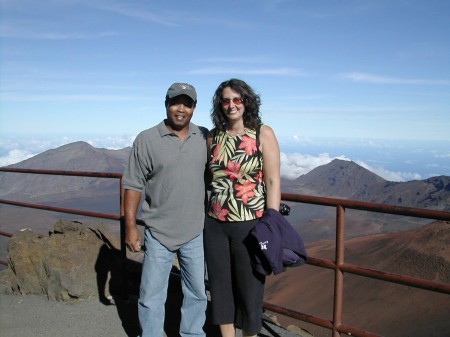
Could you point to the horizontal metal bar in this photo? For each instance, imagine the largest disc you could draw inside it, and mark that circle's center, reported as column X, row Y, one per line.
column 396, row 278
column 7, row 234
column 351, row 331
column 384, row 276
column 63, row 173
column 299, row 315
column 315, row 261
column 368, row 206
column 61, row 210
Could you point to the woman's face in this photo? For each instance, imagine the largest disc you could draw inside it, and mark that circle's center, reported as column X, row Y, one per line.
column 232, row 106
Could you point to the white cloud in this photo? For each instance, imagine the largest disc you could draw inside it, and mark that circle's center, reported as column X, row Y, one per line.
column 379, row 79
column 23, row 34
column 293, row 165
column 444, row 155
column 66, row 98
column 236, row 59
column 296, row 164
column 391, row 175
column 283, row 71
column 167, row 19
column 13, row 150
column 112, row 143
column 15, row 156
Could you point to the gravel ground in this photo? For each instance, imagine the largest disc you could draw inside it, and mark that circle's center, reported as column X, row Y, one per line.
column 35, row 315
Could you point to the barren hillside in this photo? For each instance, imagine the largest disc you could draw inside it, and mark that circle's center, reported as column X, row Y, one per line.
column 387, row 309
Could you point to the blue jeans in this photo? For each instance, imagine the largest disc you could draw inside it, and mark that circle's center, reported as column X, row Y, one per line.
column 154, row 282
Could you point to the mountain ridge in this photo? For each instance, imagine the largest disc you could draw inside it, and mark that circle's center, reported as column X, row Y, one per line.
column 348, row 180
column 338, row 179
column 77, row 156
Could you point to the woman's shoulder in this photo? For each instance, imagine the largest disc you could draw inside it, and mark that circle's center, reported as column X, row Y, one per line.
column 267, row 136
column 265, row 129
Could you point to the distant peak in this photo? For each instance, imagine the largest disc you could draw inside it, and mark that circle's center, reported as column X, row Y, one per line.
column 79, row 143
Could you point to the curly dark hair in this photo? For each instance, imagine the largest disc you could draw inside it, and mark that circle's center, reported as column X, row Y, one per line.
column 250, row 99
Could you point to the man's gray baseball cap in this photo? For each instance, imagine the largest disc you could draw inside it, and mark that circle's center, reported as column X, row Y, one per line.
column 178, row 89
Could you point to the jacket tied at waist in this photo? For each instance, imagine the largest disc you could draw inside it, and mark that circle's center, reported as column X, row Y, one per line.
column 280, row 246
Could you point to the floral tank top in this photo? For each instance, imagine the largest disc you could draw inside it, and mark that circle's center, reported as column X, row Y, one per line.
column 237, row 188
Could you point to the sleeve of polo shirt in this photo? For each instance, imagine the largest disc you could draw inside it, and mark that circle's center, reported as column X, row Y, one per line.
column 137, row 169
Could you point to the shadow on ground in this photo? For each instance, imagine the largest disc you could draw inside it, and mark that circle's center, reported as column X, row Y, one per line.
column 118, row 284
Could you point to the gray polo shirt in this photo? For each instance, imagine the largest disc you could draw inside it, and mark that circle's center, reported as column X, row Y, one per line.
column 171, row 174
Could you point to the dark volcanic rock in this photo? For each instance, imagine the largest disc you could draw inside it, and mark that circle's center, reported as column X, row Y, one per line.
column 66, row 265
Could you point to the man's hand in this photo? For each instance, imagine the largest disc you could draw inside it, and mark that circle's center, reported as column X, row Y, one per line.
column 133, row 239
column 132, row 236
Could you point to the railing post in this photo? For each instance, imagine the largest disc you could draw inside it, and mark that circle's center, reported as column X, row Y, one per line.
column 123, row 248
column 338, row 273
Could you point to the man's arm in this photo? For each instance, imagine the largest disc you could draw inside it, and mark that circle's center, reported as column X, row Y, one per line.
column 131, row 204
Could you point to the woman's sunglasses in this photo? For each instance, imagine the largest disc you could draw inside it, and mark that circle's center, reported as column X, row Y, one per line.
column 227, row 101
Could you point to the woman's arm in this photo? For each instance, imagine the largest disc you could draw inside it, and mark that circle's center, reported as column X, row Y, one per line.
column 271, row 166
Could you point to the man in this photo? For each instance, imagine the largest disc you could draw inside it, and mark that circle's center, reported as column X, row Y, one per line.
column 168, row 162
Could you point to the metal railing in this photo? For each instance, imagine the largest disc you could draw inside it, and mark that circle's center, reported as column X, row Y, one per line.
column 60, row 209
column 338, row 264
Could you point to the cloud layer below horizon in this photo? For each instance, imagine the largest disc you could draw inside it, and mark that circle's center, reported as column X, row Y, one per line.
column 293, row 163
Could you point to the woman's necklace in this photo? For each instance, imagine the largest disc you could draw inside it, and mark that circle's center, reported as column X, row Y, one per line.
column 240, row 133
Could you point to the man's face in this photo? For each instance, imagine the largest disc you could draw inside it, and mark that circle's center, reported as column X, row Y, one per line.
column 179, row 111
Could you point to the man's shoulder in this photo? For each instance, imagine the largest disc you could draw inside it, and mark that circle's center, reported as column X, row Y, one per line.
column 201, row 130
column 148, row 132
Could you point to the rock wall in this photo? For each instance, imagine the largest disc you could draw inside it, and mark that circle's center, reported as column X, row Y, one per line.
column 73, row 262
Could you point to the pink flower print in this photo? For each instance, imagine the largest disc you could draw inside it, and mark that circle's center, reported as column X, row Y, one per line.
column 233, row 170
column 216, row 153
column 259, row 176
column 220, row 212
column 246, row 191
column 248, row 144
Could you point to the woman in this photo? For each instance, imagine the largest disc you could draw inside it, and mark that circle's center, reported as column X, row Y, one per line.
column 245, row 181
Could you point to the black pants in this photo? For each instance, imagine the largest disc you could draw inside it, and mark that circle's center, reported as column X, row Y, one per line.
column 236, row 290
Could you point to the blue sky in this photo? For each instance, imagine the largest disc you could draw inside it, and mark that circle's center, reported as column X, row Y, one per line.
column 368, row 73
